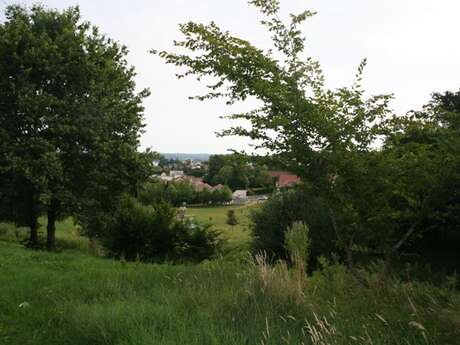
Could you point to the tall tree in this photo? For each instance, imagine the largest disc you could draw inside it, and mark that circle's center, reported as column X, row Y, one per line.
column 324, row 136
column 427, row 146
column 69, row 113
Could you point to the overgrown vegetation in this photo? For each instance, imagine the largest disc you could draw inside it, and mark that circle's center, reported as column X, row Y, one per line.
column 70, row 120
column 71, row 298
column 271, row 221
column 377, row 197
column 153, row 233
column 326, row 266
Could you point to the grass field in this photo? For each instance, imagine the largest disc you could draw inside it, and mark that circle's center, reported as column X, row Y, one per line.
column 67, row 234
column 74, row 298
column 71, row 298
column 237, row 235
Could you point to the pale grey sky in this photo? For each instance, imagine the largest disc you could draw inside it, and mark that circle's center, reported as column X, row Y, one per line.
column 411, row 45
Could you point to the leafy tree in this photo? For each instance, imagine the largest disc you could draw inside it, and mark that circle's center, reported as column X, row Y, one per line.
column 324, row 136
column 184, row 192
column 222, row 195
column 204, row 196
column 152, row 192
column 70, row 117
column 237, row 171
column 225, row 175
column 215, row 164
column 428, row 145
column 239, row 179
column 260, row 177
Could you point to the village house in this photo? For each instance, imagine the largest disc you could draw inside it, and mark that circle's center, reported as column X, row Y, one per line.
column 284, row 179
column 240, row 196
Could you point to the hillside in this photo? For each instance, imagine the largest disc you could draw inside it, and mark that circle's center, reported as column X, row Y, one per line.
column 73, row 297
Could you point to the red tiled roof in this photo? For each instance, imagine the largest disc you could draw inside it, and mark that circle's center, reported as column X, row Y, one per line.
column 284, row 178
column 288, row 180
column 201, row 185
column 218, row 187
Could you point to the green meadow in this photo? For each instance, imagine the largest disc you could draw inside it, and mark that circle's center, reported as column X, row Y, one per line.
column 236, row 235
column 75, row 297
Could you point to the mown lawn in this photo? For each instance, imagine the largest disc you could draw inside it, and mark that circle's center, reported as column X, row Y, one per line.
column 237, row 235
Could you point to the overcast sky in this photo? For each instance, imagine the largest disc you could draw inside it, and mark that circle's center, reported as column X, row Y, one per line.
column 411, row 45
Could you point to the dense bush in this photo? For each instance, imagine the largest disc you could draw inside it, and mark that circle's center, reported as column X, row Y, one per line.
column 153, row 233
column 271, row 221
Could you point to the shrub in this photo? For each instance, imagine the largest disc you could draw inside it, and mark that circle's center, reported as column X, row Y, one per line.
column 153, row 233
column 270, row 222
column 297, row 241
column 231, row 218
column 222, row 195
column 197, row 241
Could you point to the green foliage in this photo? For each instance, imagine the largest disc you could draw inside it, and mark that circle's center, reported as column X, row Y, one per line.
column 373, row 197
column 178, row 192
column 149, row 233
column 198, row 241
column 231, row 218
column 75, row 299
column 425, row 152
column 236, row 172
column 70, row 118
column 297, row 242
column 324, row 136
column 271, row 221
column 222, row 195
column 261, row 191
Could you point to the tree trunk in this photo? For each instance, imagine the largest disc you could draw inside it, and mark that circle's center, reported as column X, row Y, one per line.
column 32, row 221
column 348, row 251
column 392, row 252
column 33, row 241
column 352, row 268
column 51, row 227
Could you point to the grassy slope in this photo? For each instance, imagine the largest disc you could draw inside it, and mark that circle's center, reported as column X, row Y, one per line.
column 74, row 298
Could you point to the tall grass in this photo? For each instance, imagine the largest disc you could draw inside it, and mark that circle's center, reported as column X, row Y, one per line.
column 334, row 310
column 75, row 298
column 72, row 298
